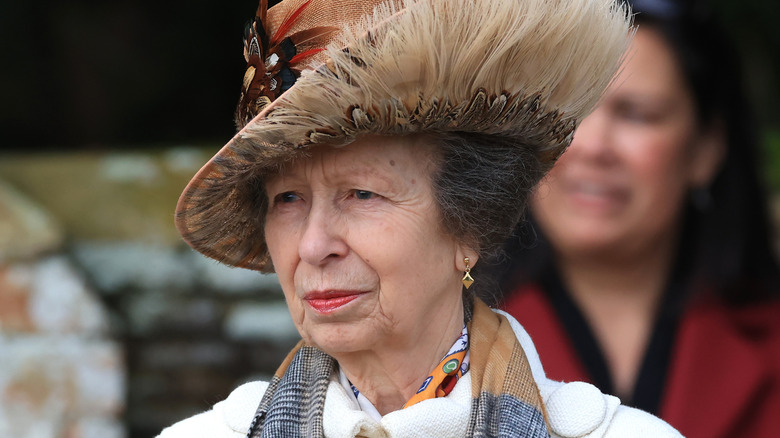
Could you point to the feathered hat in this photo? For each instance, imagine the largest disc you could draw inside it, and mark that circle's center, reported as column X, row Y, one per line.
column 328, row 71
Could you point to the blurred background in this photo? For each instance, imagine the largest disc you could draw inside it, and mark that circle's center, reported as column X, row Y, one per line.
column 109, row 325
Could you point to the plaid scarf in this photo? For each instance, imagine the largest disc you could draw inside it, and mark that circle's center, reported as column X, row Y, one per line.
column 505, row 399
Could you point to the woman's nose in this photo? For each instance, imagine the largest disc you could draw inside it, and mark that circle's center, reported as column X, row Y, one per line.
column 591, row 139
column 323, row 238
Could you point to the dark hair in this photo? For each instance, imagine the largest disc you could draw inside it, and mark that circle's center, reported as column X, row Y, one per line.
column 482, row 186
column 727, row 240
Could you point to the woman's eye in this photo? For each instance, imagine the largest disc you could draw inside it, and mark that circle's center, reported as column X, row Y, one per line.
column 286, row 197
column 364, row 194
column 637, row 113
column 638, row 116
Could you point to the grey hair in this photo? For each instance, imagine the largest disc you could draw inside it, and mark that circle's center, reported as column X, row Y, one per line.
column 482, row 186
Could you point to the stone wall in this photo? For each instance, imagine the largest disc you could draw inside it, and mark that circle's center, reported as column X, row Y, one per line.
column 193, row 329
column 61, row 373
column 109, row 325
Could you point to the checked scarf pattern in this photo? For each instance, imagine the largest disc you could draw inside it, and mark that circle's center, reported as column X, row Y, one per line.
column 505, row 399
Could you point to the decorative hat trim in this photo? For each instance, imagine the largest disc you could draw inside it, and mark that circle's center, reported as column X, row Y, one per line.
column 527, row 70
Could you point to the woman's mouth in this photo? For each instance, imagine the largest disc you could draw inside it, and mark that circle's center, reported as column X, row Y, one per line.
column 597, row 197
column 329, row 301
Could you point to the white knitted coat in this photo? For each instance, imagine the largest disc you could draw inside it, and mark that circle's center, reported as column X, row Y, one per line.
column 575, row 409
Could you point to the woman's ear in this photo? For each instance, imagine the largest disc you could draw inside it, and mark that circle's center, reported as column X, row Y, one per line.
column 708, row 155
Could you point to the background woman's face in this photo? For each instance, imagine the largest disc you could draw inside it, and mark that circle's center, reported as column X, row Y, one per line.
column 355, row 238
column 623, row 182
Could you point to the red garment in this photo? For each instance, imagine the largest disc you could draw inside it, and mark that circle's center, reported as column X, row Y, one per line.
column 724, row 376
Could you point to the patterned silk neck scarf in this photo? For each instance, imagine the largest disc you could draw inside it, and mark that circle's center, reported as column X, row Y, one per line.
column 445, row 375
column 443, row 378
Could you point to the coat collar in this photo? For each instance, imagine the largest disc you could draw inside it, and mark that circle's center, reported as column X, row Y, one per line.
column 718, row 367
column 716, row 372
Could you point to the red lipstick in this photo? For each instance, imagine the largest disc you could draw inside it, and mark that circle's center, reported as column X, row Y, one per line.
column 330, row 301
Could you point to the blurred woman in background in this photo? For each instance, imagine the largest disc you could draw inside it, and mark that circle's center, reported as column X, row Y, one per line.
column 648, row 269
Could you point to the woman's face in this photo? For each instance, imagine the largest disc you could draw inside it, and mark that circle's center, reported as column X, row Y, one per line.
column 356, row 240
column 621, row 186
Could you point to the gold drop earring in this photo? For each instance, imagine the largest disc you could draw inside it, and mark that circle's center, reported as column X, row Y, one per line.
column 467, row 280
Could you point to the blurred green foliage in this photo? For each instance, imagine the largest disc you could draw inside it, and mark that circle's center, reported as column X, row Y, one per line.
column 753, row 25
column 772, row 162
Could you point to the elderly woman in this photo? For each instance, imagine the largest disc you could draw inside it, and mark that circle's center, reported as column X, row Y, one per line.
column 388, row 148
